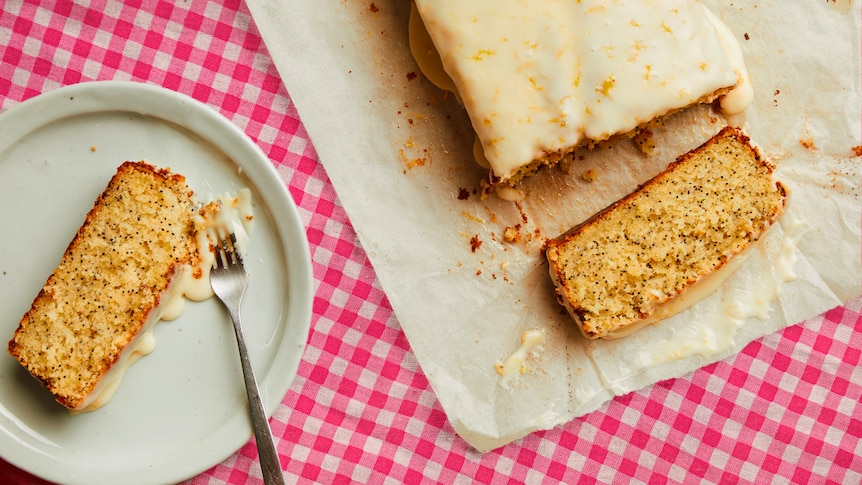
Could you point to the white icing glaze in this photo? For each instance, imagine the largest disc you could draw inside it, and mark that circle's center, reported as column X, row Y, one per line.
column 516, row 364
column 235, row 216
column 143, row 344
column 423, row 50
column 511, row 194
column 741, row 96
column 542, row 76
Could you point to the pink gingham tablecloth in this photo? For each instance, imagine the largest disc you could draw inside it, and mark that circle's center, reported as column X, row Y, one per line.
column 786, row 409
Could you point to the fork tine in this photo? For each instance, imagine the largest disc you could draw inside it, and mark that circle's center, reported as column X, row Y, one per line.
column 226, row 251
column 220, row 258
column 234, row 250
column 230, row 251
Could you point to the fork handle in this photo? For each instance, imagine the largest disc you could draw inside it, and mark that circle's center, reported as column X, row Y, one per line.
column 269, row 462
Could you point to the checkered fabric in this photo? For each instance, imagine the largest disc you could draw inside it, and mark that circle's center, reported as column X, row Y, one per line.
column 786, row 409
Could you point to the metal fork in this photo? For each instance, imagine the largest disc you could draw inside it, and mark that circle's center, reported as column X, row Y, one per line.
column 229, row 280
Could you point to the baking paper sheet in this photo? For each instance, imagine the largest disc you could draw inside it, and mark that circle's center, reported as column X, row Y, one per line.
column 398, row 152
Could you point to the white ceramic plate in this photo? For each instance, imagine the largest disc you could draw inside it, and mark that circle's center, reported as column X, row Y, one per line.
column 181, row 409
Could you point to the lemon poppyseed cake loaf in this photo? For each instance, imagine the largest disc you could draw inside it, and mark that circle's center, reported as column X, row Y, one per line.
column 618, row 268
column 116, row 278
column 539, row 79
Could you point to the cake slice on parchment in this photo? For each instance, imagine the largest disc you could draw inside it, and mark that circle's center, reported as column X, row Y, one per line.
column 646, row 251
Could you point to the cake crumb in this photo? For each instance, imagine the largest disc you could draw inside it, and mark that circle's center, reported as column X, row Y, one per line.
column 590, row 175
column 643, row 138
column 475, row 243
column 808, row 143
column 512, row 234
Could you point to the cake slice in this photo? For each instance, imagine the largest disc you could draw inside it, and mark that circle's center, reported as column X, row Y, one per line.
column 129, row 265
column 632, row 260
column 539, row 79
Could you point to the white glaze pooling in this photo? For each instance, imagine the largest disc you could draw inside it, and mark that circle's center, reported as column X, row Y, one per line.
column 143, row 343
column 730, row 314
column 236, row 217
column 541, row 77
column 516, row 364
column 741, row 96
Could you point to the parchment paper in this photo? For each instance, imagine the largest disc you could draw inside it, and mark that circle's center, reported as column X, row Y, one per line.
column 398, row 152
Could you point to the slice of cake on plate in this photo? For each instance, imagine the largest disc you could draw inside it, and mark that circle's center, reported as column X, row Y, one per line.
column 130, row 264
